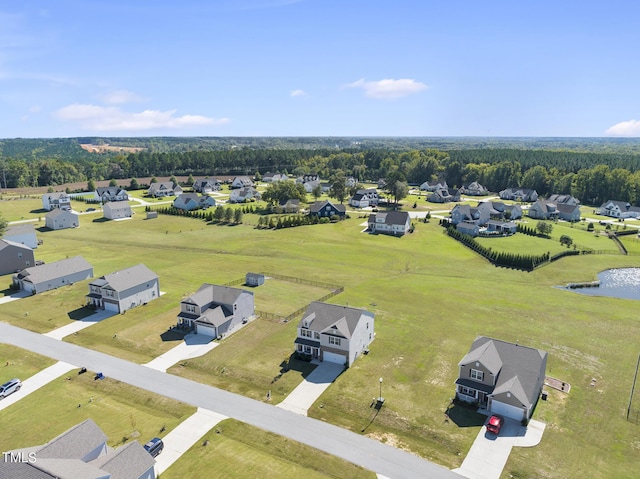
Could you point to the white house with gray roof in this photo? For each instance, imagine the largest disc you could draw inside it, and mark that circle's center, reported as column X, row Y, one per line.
column 165, row 188
column 52, row 201
column 215, row 310
column 49, row 276
column 111, row 193
column 80, row 452
column 619, row 209
column 397, row 223
column 61, row 219
column 117, row 210
column 334, row 333
column 503, row 378
column 124, row 289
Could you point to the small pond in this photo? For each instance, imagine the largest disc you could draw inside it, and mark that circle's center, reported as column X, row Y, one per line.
column 615, row 283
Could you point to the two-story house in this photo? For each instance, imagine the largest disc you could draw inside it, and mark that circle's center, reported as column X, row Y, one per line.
column 206, row 185
column 364, row 198
column 244, row 194
column 51, row 201
column 165, row 188
column 396, row 223
column 619, row 209
column 116, row 210
column 503, row 378
column 193, row 201
column 14, row 257
column 124, row 289
column 519, row 194
column 334, row 333
column 241, row 182
column 59, row 219
column 23, row 233
column 111, row 193
column 215, row 310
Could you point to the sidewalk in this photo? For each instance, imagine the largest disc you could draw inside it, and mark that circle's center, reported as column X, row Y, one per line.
column 36, row 381
column 307, row 392
column 79, row 325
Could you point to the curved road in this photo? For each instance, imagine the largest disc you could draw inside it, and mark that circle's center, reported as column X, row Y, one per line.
column 368, row 453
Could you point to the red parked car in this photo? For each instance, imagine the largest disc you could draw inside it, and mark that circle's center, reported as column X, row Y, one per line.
column 494, row 424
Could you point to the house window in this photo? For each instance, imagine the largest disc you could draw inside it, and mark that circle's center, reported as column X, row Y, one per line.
column 19, row 255
column 334, row 340
column 305, row 333
column 477, row 375
column 28, row 263
column 109, row 293
column 191, row 308
column 316, row 335
column 467, row 391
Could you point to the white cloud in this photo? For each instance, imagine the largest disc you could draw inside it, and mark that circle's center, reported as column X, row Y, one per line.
column 118, row 97
column 298, row 93
column 625, row 128
column 99, row 118
column 389, row 89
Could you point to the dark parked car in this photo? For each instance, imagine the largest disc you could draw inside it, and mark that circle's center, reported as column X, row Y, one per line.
column 494, row 424
column 154, row 446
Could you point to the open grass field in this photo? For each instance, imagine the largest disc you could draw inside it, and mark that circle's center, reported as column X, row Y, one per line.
column 123, row 412
column 432, row 297
column 18, row 363
column 237, row 451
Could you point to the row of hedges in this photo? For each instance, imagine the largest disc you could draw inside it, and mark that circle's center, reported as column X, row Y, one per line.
column 508, row 260
column 220, row 214
column 270, row 222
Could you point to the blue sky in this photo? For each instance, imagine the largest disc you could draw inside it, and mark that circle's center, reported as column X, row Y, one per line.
column 319, row 68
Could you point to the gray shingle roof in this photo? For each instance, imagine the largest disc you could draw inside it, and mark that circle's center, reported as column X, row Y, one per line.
column 22, row 470
column 126, row 462
column 217, row 294
column 332, row 318
column 6, row 243
column 74, row 443
column 49, row 271
column 59, row 212
column 391, row 217
column 20, row 230
column 318, row 205
column 127, row 278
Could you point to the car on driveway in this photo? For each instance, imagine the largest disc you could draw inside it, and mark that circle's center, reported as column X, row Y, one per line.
column 154, row 446
column 10, row 387
column 494, row 424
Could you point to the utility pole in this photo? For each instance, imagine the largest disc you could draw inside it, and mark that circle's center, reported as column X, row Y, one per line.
column 633, row 388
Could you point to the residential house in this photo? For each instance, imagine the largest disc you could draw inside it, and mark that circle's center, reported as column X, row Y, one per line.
column 274, row 177
column 474, row 189
column 124, row 289
column 292, row 205
column 350, row 182
column 242, row 182
column 45, row 277
column 501, row 227
column 334, row 333
column 503, row 378
column 23, row 233
column 326, row 186
column 61, row 219
column 242, row 195
column 215, row 310
column 468, row 228
column 14, row 257
column 512, row 212
column 568, row 212
column 397, row 223
column 111, row 193
column 519, row 194
column 564, row 200
column 80, row 452
column 206, row 185
column 306, row 178
column 193, row 201
column 444, row 195
column 309, row 186
column 543, row 210
column 51, row 201
column 468, row 214
column 164, row 188
column 115, row 210
column 619, row 209
column 365, row 198
column 327, row 209
column 434, row 185
column 382, row 183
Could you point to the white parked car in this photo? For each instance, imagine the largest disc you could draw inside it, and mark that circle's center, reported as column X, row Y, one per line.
column 10, row 387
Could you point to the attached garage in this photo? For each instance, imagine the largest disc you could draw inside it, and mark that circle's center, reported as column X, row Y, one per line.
column 206, row 330
column 334, row 358
column 111, row 307
column 507, row 410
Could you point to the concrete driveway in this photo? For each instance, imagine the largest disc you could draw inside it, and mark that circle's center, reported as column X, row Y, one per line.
column 489, row 453
column 309, row 390
column 188, row 432
column 15, row 296
column 194, row 345
column 79, row 325
column 36, row 382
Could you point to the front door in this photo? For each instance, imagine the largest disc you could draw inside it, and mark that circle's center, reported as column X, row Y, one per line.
column 482, row 398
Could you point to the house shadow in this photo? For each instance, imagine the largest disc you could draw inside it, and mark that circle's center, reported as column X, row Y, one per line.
column 197, row 339
column 172, row 334
column 81, row 313
column 101, row 220
column 39, row 211
column 294, row 364
column 43, row 229
column 464, row 415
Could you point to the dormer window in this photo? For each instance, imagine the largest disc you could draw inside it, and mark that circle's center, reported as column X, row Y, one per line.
column 476, row 375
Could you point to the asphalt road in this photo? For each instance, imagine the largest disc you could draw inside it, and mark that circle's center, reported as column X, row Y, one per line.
column 368, row 453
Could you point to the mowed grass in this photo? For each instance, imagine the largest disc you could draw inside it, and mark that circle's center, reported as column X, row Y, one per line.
column 236, row 450
column 17, row 208
column 19, row 363
column 284, row 297
column 123, row 412
column 432, row 297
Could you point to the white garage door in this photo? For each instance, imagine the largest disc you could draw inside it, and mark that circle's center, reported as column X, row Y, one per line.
column 334, row 358
column 206, row 330
column 507, row 410
column 111, row 307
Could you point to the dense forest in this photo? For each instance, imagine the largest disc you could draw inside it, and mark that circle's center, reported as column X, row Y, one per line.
column 593, row 170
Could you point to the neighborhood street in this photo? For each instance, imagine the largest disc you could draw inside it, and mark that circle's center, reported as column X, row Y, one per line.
column 355, row 448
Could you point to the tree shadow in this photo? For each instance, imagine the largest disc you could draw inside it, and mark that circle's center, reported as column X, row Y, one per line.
column 464, row 415
column 81, row 313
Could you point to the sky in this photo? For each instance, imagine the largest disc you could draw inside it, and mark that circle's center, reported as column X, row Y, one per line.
column 319, row 68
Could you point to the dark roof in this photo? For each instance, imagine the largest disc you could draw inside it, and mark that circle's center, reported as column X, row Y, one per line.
column 318, row 205
column 127, row 278
column 391, row 217
column 518, row 368
column 564, row 208
column 332, row 319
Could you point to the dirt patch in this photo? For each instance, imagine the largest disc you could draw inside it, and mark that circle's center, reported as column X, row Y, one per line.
column 390, row 439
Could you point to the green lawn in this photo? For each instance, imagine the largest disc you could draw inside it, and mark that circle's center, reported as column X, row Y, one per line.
column 432, row 296
column 236, row 450
column 19, row 363
column 123, row 412
column 18, row 208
